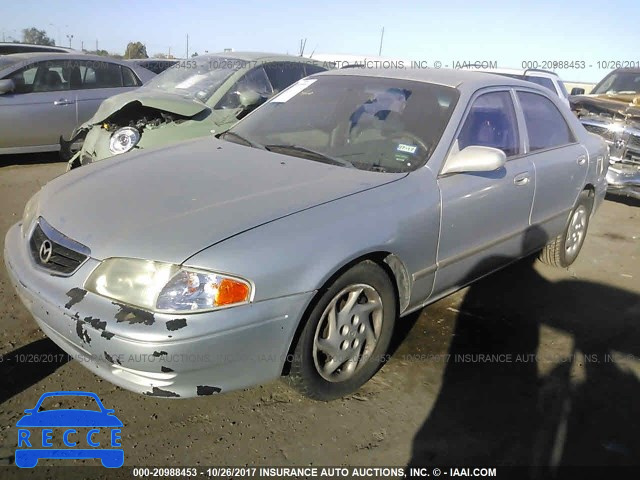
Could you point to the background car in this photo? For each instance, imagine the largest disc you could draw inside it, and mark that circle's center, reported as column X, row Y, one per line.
column 7, row 48
column 612, row 111
column 155, row 65
column 544, row 78
column 45, row 95
column 292, row 243
column 194, row 98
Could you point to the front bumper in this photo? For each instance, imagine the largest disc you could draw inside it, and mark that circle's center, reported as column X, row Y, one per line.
column 623, row 180
column 156, row 354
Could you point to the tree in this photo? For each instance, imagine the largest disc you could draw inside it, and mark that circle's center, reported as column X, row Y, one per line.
column 159, row 55
column 136, row 50
column 37, row 37
column 194, row 54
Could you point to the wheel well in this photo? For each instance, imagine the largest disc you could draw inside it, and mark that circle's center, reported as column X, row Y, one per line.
column 393, row 267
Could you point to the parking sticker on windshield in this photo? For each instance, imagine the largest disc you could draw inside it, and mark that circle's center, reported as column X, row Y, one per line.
column 294, row 90
column 402, row 147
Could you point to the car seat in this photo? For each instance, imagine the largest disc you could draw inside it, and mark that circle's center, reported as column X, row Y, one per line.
column 50, row 81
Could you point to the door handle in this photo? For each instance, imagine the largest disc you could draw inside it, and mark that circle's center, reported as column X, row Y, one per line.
column 62, row 101
column 582, row 159
column 521, row 179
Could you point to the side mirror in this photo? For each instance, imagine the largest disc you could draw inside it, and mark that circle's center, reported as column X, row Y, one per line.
column 577, row 91
column 6, row 86
column 475, row 158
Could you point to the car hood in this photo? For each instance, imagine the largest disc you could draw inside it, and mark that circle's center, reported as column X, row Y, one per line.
column 616, row 105
column 69, row 418
column 147, row 97
column 168, row 204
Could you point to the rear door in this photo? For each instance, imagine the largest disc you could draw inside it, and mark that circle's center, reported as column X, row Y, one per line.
column 40, row 109
column 96, row 80
column 560, row 162
column 485, row 215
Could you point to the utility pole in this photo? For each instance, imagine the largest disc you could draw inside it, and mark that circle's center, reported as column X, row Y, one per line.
column 70, row 37
column 381, row 38
column 169, row 56
column 82, row 45
column 96, row 45
column 187, row 45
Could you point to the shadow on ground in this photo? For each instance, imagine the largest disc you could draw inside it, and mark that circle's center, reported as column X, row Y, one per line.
column 27, row 365
column 630, row 201
column 29, row 158
column 494, row 407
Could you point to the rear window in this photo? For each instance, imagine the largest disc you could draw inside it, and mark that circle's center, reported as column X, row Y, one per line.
column 546, row 126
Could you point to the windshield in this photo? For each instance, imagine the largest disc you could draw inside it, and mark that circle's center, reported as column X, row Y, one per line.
column 619, row 82
column 199, row 77
column 370, row 123
column 6, row 61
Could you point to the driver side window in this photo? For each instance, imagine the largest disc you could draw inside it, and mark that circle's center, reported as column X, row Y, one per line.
column 46, row 76
column 491, row 122
column 255, row 80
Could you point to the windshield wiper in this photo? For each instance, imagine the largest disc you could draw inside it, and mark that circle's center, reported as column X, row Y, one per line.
column 248, row 142
column 311, row 153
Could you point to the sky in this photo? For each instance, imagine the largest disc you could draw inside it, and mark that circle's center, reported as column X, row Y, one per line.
column 506, row 32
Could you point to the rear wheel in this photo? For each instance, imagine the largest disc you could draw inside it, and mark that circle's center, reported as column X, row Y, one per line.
column 346, row 335
column 563, row 250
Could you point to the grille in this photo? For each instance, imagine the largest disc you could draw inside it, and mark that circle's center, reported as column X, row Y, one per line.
column 63, row 260
column 634, row 141
column 602, row 131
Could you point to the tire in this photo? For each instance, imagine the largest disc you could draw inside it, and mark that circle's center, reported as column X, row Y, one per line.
column 364, row 303
column 563, row 250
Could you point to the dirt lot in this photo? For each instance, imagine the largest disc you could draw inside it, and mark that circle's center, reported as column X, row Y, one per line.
column 562, row 387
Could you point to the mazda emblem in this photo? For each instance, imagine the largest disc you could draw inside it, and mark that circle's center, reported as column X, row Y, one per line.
column 46, row 249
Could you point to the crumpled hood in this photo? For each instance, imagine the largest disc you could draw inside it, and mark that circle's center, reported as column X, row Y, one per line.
column 624, row 105
column 168, row 102
column 168, row 204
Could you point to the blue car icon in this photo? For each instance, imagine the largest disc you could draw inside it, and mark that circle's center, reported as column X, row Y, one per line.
column 31, row 448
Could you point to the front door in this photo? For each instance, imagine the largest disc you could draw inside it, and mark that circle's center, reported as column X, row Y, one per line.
column 485, row 215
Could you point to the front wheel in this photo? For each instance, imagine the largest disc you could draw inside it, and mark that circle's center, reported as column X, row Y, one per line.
column 563, row 250
column 346, row 335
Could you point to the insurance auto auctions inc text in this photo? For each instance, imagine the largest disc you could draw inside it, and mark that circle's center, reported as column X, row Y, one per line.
column 371, row 472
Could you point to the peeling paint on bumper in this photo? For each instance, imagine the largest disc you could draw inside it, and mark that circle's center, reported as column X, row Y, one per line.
column 212, row 352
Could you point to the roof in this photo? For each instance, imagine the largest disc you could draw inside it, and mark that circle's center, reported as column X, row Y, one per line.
column 254, row 56
column 518, row 71
column 41, row 56
column 626, row 70
column 462, row 79
column 34, row 45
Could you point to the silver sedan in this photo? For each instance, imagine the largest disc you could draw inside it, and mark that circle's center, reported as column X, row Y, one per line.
column 294, row 242
column 45, row 95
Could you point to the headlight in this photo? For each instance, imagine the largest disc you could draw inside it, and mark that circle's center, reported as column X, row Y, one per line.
column 29, row 213
column 164, row 287
column 123, row 140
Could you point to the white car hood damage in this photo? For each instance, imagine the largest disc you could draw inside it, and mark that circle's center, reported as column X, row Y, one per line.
column 168, row 204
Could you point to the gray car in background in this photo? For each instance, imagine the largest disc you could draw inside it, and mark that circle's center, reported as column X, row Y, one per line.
column 293, row 242
column 45, row 95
